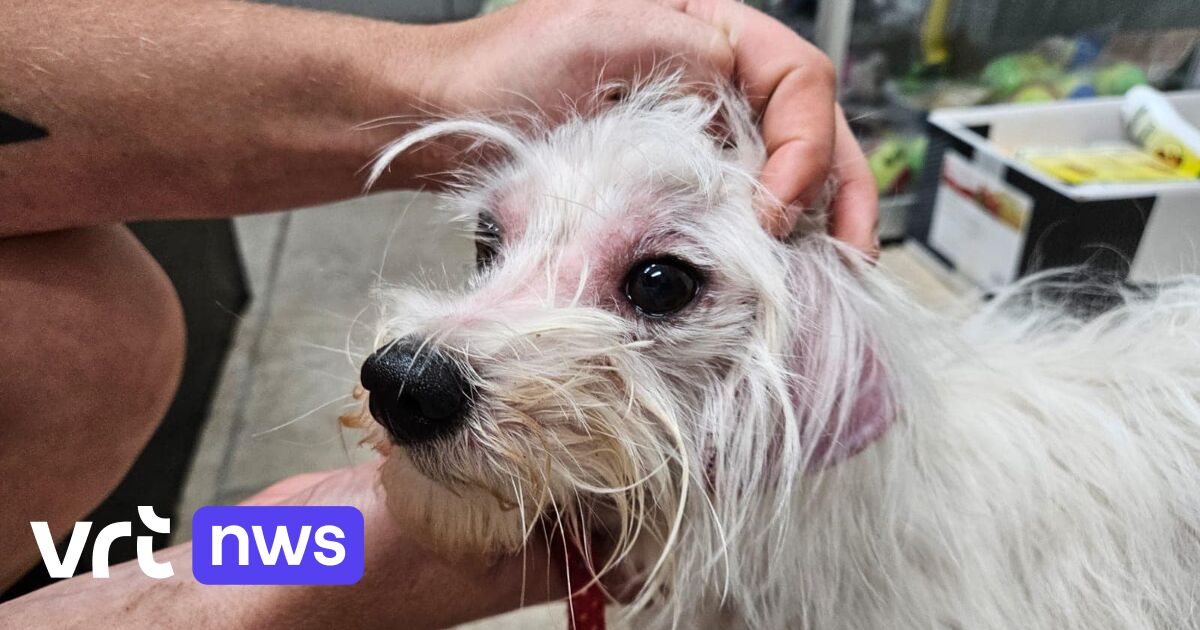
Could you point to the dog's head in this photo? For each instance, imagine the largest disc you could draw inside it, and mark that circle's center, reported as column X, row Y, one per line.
column 635, row 358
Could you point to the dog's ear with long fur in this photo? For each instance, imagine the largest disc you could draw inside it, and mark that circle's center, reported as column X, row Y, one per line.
column 824, row 320
column 840, row 388
column 827, row 392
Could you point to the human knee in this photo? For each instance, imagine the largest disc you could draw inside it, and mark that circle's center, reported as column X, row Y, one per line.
column 96, row 325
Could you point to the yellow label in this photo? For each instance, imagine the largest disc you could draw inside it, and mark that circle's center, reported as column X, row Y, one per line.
column 1109, row 165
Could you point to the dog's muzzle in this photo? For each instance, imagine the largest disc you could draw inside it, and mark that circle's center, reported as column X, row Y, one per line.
column 417, row 393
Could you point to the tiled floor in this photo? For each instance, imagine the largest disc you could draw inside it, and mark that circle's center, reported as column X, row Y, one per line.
column 289, row 374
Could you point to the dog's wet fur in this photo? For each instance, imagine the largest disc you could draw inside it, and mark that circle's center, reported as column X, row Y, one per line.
column 800, row 445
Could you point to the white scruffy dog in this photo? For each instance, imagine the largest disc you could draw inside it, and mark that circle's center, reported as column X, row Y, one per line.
column 767, row 434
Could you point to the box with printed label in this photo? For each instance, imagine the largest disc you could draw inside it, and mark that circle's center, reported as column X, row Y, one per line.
column 995, row 217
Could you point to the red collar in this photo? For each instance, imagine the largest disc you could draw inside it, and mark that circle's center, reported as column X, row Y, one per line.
column 585, row 608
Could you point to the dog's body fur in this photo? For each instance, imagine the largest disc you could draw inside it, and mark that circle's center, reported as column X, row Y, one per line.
column 802, row 447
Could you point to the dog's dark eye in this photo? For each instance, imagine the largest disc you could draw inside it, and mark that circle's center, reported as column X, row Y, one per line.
column 661, row 286
column 487, row 241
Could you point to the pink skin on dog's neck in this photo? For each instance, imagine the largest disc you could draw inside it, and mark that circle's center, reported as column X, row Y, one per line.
column 869, row 418
column 868, row 421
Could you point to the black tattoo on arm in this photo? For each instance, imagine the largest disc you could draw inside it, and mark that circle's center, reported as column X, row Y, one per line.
column 13, row 129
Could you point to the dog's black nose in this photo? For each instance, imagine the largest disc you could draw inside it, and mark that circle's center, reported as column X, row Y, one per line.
column 417, row 393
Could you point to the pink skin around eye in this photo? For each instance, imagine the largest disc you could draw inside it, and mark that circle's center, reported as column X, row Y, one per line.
column 599, row 251
column 509, row 211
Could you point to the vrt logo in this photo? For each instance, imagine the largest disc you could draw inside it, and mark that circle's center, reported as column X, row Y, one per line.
column 65, row 567
column 233, row 545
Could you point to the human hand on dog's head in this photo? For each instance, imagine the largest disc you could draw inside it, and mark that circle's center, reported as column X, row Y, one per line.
column 549, row 56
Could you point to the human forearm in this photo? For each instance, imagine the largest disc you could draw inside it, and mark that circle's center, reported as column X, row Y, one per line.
column 159, row 108
column 404, row 585
column 424, row 594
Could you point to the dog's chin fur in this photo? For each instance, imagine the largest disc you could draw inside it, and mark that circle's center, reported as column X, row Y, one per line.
column 802, row 447
column 455, row 521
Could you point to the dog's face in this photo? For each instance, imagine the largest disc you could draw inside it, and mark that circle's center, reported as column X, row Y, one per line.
column 629, row 337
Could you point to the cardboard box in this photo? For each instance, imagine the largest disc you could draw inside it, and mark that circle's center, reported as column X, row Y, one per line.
column 994, row 218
